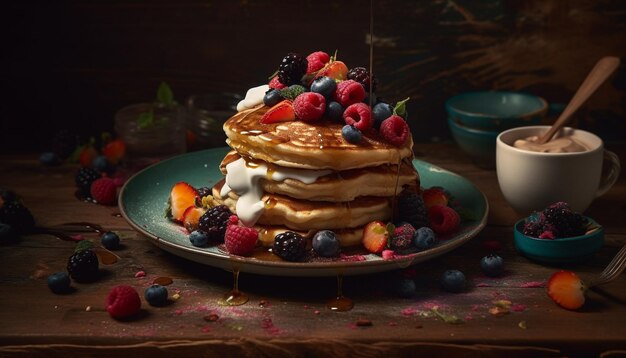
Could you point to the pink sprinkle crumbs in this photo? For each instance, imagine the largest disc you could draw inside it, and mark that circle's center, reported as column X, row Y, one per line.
column 268, row 326
column 77, row 238
column 140, row 274
column 351, row 258
column 206, row 329
column 388, row 254
column 306, row 307
column 178, row 312
column 483, row 284
column 518, row 307
column 475, row 307
column 392, row 324
column 469, row 317
column 409, row 311
column 316, row 312
column 532, row 284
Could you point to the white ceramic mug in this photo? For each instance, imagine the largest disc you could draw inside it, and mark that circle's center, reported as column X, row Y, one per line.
column 530, row 181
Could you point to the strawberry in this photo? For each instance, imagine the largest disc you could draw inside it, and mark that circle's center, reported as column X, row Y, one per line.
column 281, row 112
column 375, row 236
column 566, row 289
column 434, row 196
column 104, row 191
column 182, row 196
column 240, row 240
column 191, row 217
column 114, row 151
column 87, row 155
column 336, row 70
column 443, row 219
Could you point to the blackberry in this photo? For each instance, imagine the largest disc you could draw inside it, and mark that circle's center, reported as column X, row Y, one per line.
column 402, row 237
column 292, row 68
column 411, row 209
column 7, row 195
column 17, row 216
column 84, row 177
column 532, row 228
column 83, row 266
column 204, row 191
column 64, row 143
column 362, row 76
column 214, row 222
column 566, row 222
column 289, row 246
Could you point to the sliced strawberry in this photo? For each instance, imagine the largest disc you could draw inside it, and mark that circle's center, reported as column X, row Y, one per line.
column 566, row 289
column 191, row 217
column 182, row 196
column 114, row 151
column 281, row 112
column 375, row 236
column 434, row 196
column 336, row 70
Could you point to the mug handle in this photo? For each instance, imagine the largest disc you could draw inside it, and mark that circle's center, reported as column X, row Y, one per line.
column 613, row 173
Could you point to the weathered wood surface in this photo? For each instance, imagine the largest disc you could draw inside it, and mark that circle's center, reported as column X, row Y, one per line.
column 294, row 320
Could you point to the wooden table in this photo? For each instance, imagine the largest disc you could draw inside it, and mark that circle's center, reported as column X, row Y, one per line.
column 287, row 316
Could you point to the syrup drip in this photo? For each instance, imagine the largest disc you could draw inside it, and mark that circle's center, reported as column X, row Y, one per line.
column 340, row 303
column 163, row 281
column 86, row 227
column 106, row 257
column 117, row 215
column 234, row 297
column 394, row 199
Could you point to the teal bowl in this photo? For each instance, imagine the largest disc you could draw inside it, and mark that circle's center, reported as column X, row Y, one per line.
column 559, row 251
column 480, row 145
column 496, row 110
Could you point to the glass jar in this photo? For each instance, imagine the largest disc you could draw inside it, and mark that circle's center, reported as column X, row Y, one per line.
column 205, row 115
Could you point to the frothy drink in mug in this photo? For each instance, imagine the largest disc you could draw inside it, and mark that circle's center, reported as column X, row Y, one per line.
column 566, row 144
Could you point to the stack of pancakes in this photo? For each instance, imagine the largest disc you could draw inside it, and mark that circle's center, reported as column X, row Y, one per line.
column 305, row 177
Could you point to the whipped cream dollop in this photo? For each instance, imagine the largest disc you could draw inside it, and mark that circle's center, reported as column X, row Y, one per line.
column 254, row 97
column 243, row 178
column 565, row 144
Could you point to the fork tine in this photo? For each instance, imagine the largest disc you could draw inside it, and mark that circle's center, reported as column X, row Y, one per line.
column 618, row 268
column 615, row 260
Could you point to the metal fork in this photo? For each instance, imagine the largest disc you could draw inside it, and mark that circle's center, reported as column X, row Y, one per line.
column 614, row 269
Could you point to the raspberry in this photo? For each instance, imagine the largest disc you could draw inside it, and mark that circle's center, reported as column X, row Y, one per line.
column 402, row 237
column 443, row 219
column 289, row 246
column 123, row 301
column 358, row 115
column 104, row 191
column 240, row 240
column 349, row 92
column 394, row 130
column 362, row 76
column 292, row 68
column 214, row 222
column 411, row 209
column 276, row 84
column 83, row 266
column 309, row 106
column 316, row 61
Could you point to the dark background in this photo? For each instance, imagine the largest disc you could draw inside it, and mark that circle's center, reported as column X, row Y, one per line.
column 72, row 64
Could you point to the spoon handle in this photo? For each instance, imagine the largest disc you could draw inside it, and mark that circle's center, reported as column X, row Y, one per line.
column 599, row 73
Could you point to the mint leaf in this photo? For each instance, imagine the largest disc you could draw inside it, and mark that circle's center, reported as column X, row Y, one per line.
column 400, row 108
column 145, row 120
column 165, row 95
column 292, row 92
column 84, row 245
column 451, row 319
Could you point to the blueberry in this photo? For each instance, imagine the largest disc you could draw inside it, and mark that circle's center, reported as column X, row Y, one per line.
column 381, row 111
column 405, row 287
column 351, row 134
column 334, row 111
column 492, row 265
column 424, row 238
column 453, row 281
column 59, row 282
column 156, row 295
column 198, row 238
column 101, row 163
column 110, row 240
column 325, row 243
column 49, row 159
column 367, row 98
column 272, row 97
column 8, row 235
column 325, row 86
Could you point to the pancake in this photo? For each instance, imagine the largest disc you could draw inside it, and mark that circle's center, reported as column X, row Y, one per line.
column 339, row 186
column 309, row 145
column 304, row 215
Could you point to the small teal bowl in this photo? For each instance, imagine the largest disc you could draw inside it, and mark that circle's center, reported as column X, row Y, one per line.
column 559, row 251
column 479, row 144
column 496, row 110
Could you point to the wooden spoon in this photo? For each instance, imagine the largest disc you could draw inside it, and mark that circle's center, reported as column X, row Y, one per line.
column 599, row 73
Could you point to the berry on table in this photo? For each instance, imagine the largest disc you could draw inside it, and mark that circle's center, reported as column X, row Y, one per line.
column 375, row 237
column 240, row 240
column 50, row 159
column 156, row 295
column 402, row 237
column 358, row 115
column 289, row 246
column 59, row 282
column 110, row 240
column 443, row 219
column 326, row 244
column 453, row 281
column 122, row 302
column 404, row 287
column 18, row 216
column 351, row 134
column 7, row 234
column 104, row 191
column 492, row 265
column 83, row 266
column 349, row 92
column 85, row 177
column 292, row 68
column 325, row 86
column 86, row 155
column 362, row 76
column 214, row 222
column 101, row 164
column 198, row 238
column 394, row 130
column 380, row 112
column 424, row 238
column 334, row 111
column 281, row 112
column 566, row 289
column 309, row 106
column 114, row 151
column 272, row 98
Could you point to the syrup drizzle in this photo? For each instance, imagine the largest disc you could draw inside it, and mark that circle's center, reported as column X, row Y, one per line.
column 340, row 303
column 234, row 297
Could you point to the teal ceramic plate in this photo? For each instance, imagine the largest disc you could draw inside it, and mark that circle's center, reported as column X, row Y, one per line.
column 144, row 196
